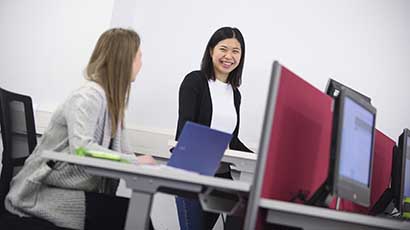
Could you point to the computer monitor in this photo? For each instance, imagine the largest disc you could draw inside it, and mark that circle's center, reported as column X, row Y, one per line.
column 354, row 148
column 401, row 171
column 353, row 118
column 334, row 87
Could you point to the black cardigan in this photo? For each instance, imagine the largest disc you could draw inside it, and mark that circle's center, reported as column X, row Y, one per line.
column 195, row 105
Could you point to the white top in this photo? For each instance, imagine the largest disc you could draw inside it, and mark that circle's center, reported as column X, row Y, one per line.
column 223, row 109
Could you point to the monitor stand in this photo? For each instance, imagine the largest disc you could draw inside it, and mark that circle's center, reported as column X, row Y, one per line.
column 384, row 205
column 322, row 197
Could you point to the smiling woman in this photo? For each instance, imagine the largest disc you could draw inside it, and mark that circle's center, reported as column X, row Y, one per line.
column 211, row 97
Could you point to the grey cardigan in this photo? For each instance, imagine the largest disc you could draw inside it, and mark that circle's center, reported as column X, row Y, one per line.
column 57, row 194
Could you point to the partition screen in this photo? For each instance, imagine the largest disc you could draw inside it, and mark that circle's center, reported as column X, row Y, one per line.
column 295, row 142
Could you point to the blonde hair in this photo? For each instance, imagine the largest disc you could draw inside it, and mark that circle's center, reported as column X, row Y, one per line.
column 110, row 66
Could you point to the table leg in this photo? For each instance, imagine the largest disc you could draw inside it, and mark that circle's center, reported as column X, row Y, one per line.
column 139, row 210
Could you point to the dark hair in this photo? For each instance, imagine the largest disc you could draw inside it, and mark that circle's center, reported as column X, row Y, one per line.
column 207, row 67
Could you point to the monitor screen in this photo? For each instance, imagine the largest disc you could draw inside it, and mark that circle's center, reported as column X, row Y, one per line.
column 356, row 145
column 354, row 148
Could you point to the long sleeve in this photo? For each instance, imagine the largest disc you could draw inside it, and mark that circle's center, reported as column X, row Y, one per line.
column 189, row 101
column 125, row 145
column 237, row 144
column 82, row 113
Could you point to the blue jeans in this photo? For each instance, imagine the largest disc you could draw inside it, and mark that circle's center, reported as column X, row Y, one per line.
column 190, row 213
column 192, row 217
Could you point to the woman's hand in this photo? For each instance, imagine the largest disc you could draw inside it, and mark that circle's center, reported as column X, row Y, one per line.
column 146, row 159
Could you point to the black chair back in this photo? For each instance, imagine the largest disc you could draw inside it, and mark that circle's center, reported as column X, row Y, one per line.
column 18, row 134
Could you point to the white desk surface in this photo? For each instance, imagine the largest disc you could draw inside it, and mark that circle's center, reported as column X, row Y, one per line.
column 152, row 171
column 333, row 215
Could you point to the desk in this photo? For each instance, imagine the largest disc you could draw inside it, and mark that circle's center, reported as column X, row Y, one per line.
column 145, row 181
column 316, row 218
column 243, row 161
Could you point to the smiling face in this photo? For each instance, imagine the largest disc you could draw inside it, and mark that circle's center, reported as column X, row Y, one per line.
column 226, row 56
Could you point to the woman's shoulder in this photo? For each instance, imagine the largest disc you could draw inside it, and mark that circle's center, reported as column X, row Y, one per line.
column 89, row 94
column 195, row 77
column 90, row 89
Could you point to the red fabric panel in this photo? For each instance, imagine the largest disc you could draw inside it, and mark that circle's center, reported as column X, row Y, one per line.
column 298, row 157
column 383, row 157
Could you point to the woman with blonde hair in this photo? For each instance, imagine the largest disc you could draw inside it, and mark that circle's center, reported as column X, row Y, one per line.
column 92, row 117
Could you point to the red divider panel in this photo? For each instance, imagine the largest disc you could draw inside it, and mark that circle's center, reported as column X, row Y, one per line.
column 299, row 150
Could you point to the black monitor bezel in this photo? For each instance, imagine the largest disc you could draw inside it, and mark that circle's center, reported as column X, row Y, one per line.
column 342, row 186
column 332, row 85
column 403, row 155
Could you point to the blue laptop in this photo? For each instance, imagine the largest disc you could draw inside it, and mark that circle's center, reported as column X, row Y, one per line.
column 199, row 149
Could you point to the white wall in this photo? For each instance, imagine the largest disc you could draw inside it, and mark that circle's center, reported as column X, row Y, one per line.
column 45, row 45
column 362, row 43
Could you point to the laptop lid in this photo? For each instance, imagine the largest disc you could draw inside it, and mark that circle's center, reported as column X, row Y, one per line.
column 199, row 149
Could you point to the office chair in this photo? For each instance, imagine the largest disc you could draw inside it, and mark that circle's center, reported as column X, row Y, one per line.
column 19, row 139
column 18, row 134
